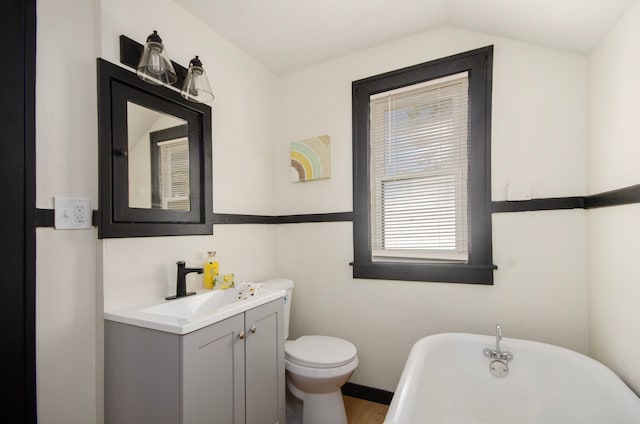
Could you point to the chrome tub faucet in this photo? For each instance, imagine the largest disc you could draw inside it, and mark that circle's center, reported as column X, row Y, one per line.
column 497, row 353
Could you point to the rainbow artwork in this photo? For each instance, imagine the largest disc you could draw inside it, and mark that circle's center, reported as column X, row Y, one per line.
column 311, row 159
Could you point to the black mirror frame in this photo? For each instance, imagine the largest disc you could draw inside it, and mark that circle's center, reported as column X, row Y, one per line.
column 116, row 219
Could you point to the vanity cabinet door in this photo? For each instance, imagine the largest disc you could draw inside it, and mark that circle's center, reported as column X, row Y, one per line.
column 213, row 374
column 264, row 380
column 141, row 375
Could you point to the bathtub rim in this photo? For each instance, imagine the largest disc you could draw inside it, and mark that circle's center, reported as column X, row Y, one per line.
column 402, row 395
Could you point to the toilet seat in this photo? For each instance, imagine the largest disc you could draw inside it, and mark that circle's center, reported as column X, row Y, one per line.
column 319, row 352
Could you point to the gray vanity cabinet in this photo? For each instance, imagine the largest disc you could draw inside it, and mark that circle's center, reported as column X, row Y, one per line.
column 231, row 372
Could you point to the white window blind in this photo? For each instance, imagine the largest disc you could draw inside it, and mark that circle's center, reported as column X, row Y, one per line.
column 174, row 174
column 419, row 150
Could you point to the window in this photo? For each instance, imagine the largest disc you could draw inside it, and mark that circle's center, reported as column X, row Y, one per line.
column 421, row 143
column 418, row 167
column 174, row 174
column 170, row 168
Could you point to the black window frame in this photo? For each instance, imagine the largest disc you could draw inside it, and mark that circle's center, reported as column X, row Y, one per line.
column 479, row 267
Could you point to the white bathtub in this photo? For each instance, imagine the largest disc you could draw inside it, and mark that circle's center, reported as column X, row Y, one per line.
column 446, row 380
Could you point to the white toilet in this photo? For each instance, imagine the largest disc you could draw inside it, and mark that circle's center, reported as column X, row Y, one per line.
column 316, row 367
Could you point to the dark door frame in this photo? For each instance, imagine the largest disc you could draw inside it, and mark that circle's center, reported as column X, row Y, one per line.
column 18, row 212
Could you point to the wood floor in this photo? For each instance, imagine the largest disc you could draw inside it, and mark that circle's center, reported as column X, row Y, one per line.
column 364, row 412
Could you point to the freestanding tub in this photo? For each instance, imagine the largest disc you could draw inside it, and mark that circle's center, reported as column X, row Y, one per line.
column 446, row 380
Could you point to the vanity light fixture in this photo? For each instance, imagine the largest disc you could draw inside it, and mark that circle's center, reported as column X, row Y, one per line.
column 155, row 66
column 196, row 86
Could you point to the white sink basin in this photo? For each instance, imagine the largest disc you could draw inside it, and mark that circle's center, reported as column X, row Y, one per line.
column 187, row 314
column 192, row 306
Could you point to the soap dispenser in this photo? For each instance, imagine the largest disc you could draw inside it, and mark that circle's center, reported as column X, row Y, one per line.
column 211, row 268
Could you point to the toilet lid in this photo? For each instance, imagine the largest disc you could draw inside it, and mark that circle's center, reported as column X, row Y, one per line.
column 319, row 351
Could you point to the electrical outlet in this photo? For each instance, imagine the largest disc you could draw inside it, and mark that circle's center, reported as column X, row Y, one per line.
column 72, row 213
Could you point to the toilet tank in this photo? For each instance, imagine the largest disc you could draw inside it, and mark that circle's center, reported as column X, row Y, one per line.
column 282, row 284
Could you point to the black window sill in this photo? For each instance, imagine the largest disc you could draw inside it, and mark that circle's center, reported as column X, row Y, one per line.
column 442, row 273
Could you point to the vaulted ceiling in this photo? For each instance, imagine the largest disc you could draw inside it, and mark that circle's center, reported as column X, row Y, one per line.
column 287, row 35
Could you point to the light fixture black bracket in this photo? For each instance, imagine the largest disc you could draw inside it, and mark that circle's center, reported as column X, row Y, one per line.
column 131, row 51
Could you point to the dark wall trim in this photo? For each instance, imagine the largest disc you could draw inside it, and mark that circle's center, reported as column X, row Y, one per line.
column 623, row 196
column 222, row 218
column 367, row 393
column 227, row 218
column 316, row 217
column 554, row 203
column 45, row 217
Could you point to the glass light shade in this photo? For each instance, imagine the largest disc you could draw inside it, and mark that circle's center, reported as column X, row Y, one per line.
column 155, row 66
column 196, row 86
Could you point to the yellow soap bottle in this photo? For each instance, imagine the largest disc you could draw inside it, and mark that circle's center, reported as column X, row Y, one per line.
column 211, row 268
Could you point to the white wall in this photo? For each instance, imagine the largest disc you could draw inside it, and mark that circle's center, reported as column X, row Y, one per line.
column 613, row 152
column 538, row 141
column 137, row 269
column 66, row 162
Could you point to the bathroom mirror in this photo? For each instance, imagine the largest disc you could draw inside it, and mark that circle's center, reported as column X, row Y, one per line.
column 155, row 159
column 158, row 159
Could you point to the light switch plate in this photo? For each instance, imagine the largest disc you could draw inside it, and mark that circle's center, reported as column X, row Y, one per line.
column 72, row 213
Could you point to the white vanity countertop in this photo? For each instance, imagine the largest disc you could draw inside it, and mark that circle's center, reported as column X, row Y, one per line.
column 187, row 314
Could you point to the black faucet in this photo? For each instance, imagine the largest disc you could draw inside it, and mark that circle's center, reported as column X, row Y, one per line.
column 181, row 282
